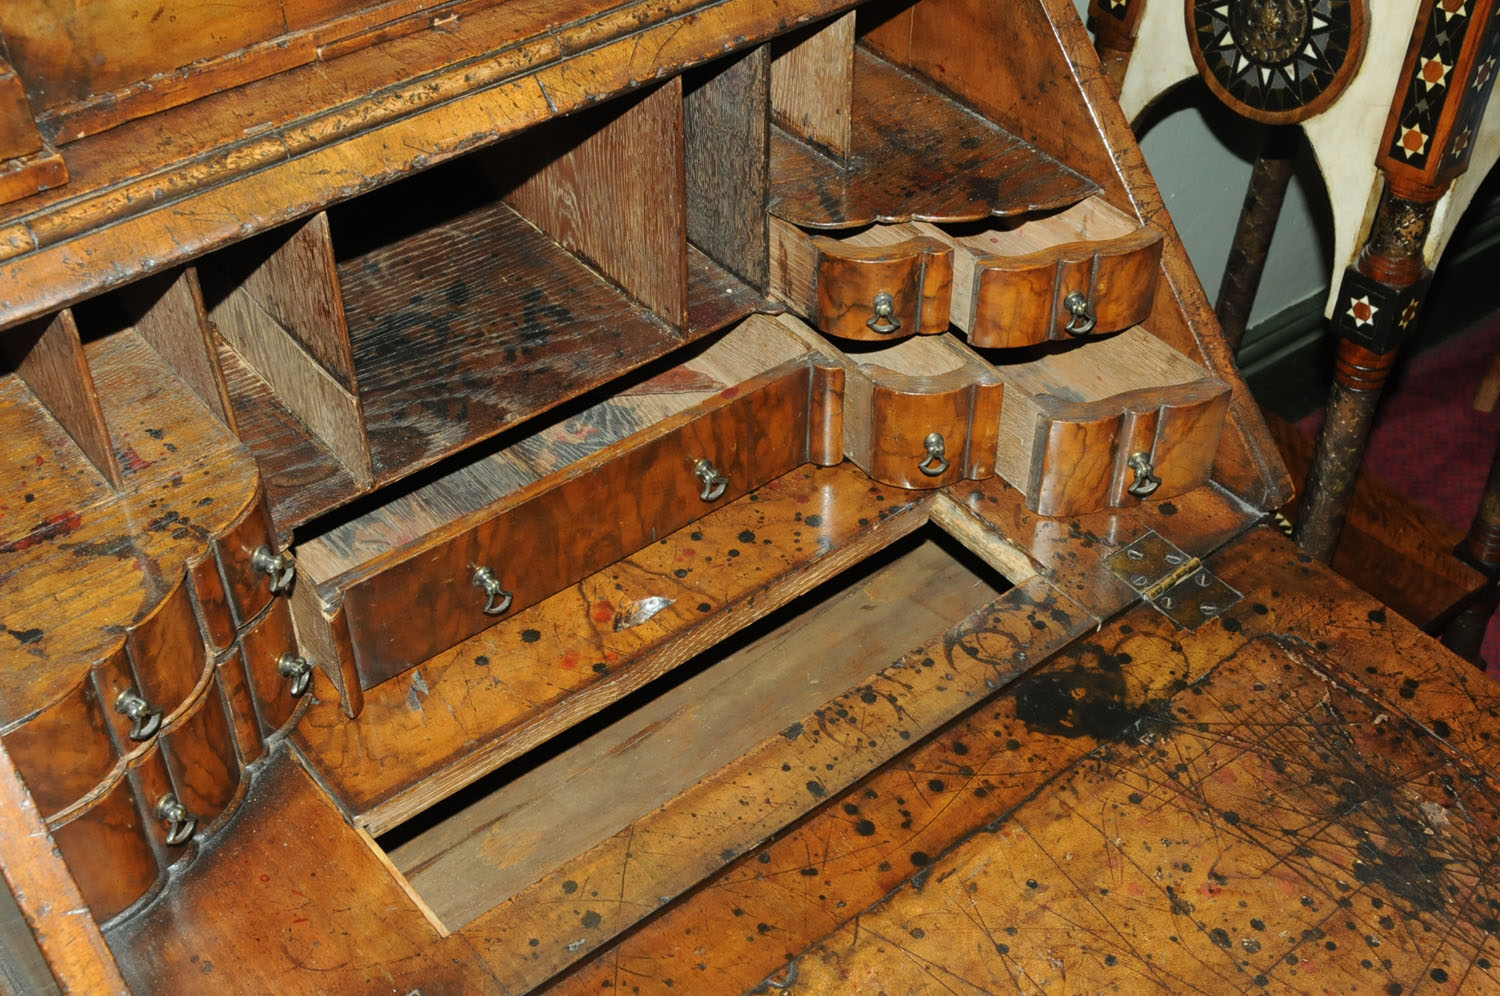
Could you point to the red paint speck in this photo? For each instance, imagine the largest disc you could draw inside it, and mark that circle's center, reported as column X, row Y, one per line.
column 603, row 612
column 131, row 460
column 48, row 529
column 265, row 878
column 300, row 919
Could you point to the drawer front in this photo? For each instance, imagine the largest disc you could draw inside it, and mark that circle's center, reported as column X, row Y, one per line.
column 108, row 851
column 575, row 523
column 885, row 293
column 877, row 286
column 1143, row 445
column 264, row 647
column 65, row 750
column 166, row 652
column 926, row 432
column 201, row 758
column 213, row 602
column 1071, row 290
column 239, row 706
column 248, row 558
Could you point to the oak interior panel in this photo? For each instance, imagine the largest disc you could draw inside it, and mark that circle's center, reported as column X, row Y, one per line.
column 914, row 153
column 526, row 819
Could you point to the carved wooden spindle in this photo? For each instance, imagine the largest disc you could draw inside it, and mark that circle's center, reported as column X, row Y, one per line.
column 1444, row 86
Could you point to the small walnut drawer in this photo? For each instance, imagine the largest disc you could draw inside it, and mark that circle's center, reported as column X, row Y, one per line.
column 587, row 489
column 1086, row 270
column 1108, row 423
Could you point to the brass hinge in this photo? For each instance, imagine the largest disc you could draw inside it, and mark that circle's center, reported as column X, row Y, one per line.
column 1176, row 584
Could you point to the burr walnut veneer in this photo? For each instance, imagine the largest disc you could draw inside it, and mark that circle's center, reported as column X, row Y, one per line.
column 509, row 495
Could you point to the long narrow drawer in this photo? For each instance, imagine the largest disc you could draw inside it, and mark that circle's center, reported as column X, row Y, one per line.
column 585, row 491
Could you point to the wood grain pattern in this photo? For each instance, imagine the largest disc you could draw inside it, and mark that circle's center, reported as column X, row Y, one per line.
column 297, row 284
column 48, row 897
column 834, row 282
column 64, row 751
column 20, row 178
column 812, row 85
column 571, row 802
column 262, row 646
column 107, row 851
column 200, row 754
column 170, row 315
column 726, row 158
column 18, row 134
column 348, row 126
column 786, row 774
column 421, row 739
column 588, row 197
column 212, row 600
column 1010, row 283
column 239, row 706
column 559, row 531
column 914, row 154
column 328, row 410
column 235, row 547
column 492, row 293
column 48, row 357
column 166, row 651
column 328, row 917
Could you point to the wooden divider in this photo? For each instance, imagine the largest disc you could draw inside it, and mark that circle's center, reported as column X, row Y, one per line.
column 48, row 357
column 727, row 155
column 617, row 195
column 285, row 320
column 812, row 85
column 173, row 320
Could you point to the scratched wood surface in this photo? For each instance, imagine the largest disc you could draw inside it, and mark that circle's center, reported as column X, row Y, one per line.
column 80, row 562
column 829, row 640
column 1280, row 801
column 914, row 153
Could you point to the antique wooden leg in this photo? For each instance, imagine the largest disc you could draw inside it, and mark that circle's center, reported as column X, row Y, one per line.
column 1438, row 105
column 1252, row 234
column 1464, row 635
column 1377, row 305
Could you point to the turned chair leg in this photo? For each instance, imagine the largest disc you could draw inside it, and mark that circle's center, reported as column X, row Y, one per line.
column 1464, row 635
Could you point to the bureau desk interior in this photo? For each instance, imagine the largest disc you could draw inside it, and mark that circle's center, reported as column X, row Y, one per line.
column 484, row 489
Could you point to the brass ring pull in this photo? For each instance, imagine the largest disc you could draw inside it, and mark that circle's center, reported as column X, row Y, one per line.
column 145, row 718
column 279, row 567
column 714, row 482
column 1145, row 483
column 936, row 460
column 1082, row 322
column 485, row 581
column 297, row 670
column 174, row 814
column 884, row 320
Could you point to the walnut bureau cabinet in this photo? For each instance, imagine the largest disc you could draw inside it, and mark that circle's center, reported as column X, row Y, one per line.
column 486, row 481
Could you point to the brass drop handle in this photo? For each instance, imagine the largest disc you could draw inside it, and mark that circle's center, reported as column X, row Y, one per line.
column 884, row 320
column 297, row 670
column 714, row 482
column 145, row 718
column 1145, row 483
column 1082, row 320
column 936, row 460
column 279, row 567
column 485, row 581
column 174, row 814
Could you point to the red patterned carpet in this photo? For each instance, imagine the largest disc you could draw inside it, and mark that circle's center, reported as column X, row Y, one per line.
column 1429, row 441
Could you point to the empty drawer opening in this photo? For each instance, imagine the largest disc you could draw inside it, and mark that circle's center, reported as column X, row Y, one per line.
column 486, row 843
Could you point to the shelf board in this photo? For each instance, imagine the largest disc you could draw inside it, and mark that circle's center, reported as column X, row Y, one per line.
column 915, row 154
column 464, row 330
